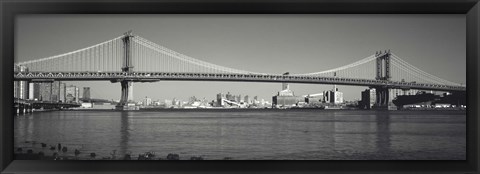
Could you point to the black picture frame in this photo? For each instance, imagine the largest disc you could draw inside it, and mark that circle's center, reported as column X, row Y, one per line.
column 11, row 8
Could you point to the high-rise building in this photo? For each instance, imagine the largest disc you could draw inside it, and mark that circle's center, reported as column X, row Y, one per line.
column 20, row 88
column 55, row 91
column 246, row 99
column 45, row 91
column 77, row 95
column 130, row 92
column 368, row 98
column 220, row 99
column 70, row 94
column 30, row 91
column 86, row 93
column 238, row 98
column 147, row 101
column 230, row 97
column 34, row 91
column 333, row 96
column 15, row 83
column 62, row 92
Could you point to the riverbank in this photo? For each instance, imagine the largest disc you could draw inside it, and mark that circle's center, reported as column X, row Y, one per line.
column 260, row 110
column 30, row 155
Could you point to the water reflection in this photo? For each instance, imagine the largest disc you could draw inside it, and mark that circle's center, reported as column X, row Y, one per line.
column 124, row 132
column 383, row 143
column 251, row 135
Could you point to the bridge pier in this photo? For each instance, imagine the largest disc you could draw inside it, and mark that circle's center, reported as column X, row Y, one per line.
column 23, row 108
column 126, row 96
column 382, row 98
column 127, row 88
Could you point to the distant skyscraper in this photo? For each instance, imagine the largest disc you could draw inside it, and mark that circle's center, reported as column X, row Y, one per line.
column 15, row 83
column 70, row 94
column 238, row 98
column 20, row 88
column 62, row 92
column 34, row 91
column 220, row 99
column 56, row 91
column 147, row 101
column 45, row 91
column 246, row 99
column 86, row 93
column 230, row 96
column 77, row 95
column 130, row 92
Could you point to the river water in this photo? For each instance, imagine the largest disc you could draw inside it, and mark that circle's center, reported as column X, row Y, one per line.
column 276, row 135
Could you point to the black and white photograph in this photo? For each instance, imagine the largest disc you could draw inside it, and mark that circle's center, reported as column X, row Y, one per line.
column 240, row 87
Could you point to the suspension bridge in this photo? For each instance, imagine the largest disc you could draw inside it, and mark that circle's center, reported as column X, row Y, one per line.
column 130, row 58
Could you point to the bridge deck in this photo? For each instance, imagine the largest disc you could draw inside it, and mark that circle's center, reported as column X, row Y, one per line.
column 185, row 76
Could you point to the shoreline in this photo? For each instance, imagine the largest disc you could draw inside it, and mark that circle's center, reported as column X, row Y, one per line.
column 255, row 110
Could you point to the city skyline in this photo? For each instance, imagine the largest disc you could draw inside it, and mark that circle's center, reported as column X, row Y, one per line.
column 258, row 38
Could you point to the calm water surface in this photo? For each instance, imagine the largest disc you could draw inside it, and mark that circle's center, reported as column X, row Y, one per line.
column 321, row 134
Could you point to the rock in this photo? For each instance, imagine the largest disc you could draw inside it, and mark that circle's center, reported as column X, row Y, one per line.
column 149, row 155
column 196, row 158
column 141, row 157
column 127, row 157
column 173, row 156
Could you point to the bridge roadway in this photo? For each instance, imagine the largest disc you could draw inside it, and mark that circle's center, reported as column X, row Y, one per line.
column 186, row 76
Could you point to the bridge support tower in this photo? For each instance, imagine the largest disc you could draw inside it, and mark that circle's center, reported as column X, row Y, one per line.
column 382, row 73
column 127, row 88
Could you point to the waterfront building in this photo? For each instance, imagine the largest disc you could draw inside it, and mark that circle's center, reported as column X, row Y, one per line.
column 86, row 93
column 86, row 105
column 168, row 103
column 285, row 98
column 147, row 101
column 368, row 98
column 333, row 96
column 314, row 98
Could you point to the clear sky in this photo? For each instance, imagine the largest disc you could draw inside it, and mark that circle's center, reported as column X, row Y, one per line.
column 258, row 43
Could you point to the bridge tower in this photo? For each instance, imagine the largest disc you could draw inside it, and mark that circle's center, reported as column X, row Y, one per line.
column 127, row 88
column 382, row 73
